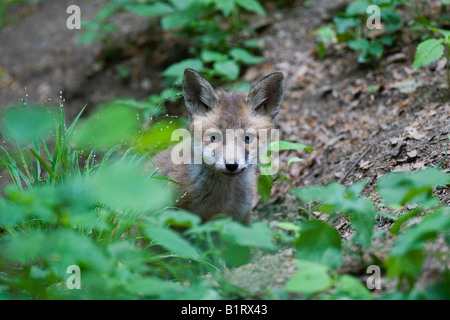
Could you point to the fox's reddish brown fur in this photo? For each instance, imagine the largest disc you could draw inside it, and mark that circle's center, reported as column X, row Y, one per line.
column 228, row 185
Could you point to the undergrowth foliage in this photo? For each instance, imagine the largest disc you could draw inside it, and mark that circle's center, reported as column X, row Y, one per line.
column 221, row 41
column 74, row 202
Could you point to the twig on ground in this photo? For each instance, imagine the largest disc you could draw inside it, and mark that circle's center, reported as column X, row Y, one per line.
column 354, row 164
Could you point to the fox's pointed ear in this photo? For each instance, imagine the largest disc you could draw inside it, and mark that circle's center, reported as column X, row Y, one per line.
column 199, row 95
column 266, row 97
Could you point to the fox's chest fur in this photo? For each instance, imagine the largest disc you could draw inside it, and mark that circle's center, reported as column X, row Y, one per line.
column 226, row 182
column 207, row 192
column 214, row 192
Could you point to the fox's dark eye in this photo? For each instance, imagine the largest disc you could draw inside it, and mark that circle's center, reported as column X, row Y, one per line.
column 248, row 138
column 213, row 138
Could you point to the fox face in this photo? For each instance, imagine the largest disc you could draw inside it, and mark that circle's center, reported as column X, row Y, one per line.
column 231, row 128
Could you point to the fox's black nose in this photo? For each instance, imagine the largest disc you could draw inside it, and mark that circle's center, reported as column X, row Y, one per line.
column 231, row 167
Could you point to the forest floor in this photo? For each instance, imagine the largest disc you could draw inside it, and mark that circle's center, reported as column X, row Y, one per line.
column 362, row 121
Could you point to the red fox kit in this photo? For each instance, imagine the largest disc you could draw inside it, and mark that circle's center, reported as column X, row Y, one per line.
column 228, row 123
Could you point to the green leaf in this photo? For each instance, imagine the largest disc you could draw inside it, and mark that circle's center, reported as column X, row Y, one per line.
column 376, row 48
column 257, row 235
column 393, row 20
column 236, row 255
column 213, row 56
column 362, row 218
column 399, row 188
column 428, row 51
column 343, row 23
column 179, row 218
column 319, row 242
column 252, row 5
column 173, row 242
column 286, row 145
column 407, row 255
column 174, row 20
column 415, row 237
column 106, row 127
column 357, row 8
column 123, row 185
column 226, row 6
column 181, row 4
column 445, row 33
column 176, row 70
column 293, row 160
column 10, row 214
column 312, row 278
column 227, row 69
column 326, row 33
column 264, row 186
column 360, row 44
column 149, row 9
column 349, row 287
column 409, row 264
column 244, row 56
column 23, row 124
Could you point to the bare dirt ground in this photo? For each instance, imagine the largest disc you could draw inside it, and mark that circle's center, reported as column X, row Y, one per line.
column 362, row 121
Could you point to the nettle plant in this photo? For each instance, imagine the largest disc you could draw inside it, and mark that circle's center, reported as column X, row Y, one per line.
column 357, row 26
column 351, row 27
column 319, row 247
column 220, row 39
column 434, row 49
column 80, row 195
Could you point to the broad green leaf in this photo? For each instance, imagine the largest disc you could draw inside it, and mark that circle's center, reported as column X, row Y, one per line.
column 10, row 214
column 376, row 48
column 264, row 186
column 149, row 9
column 154, row 287
column 257, row 235
column 293, row 160
column 407, row 255
column 319, row 242
column 428, row 228
column 286, row 145
column 236, row 255
column 445, row 33
column 409, row 264
column 226, row 6
column 428, row 51
column 393, row 20
column 227, row 69
column 25, row 123
column 252, row 5
column 128, row 255
column 179, row 218
column 213, row 56
column 123, row 185
column 313, row 277
column 176, row 70
column 174, row 20
column 244, row 56
column 181, row 4
column 173, row 242
column 289, row 226
column 343, row 23
column 326, row 33
column 399, row 188
column 360, row 44
column 357, row 8
column 110, row 125
column 349, row 287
